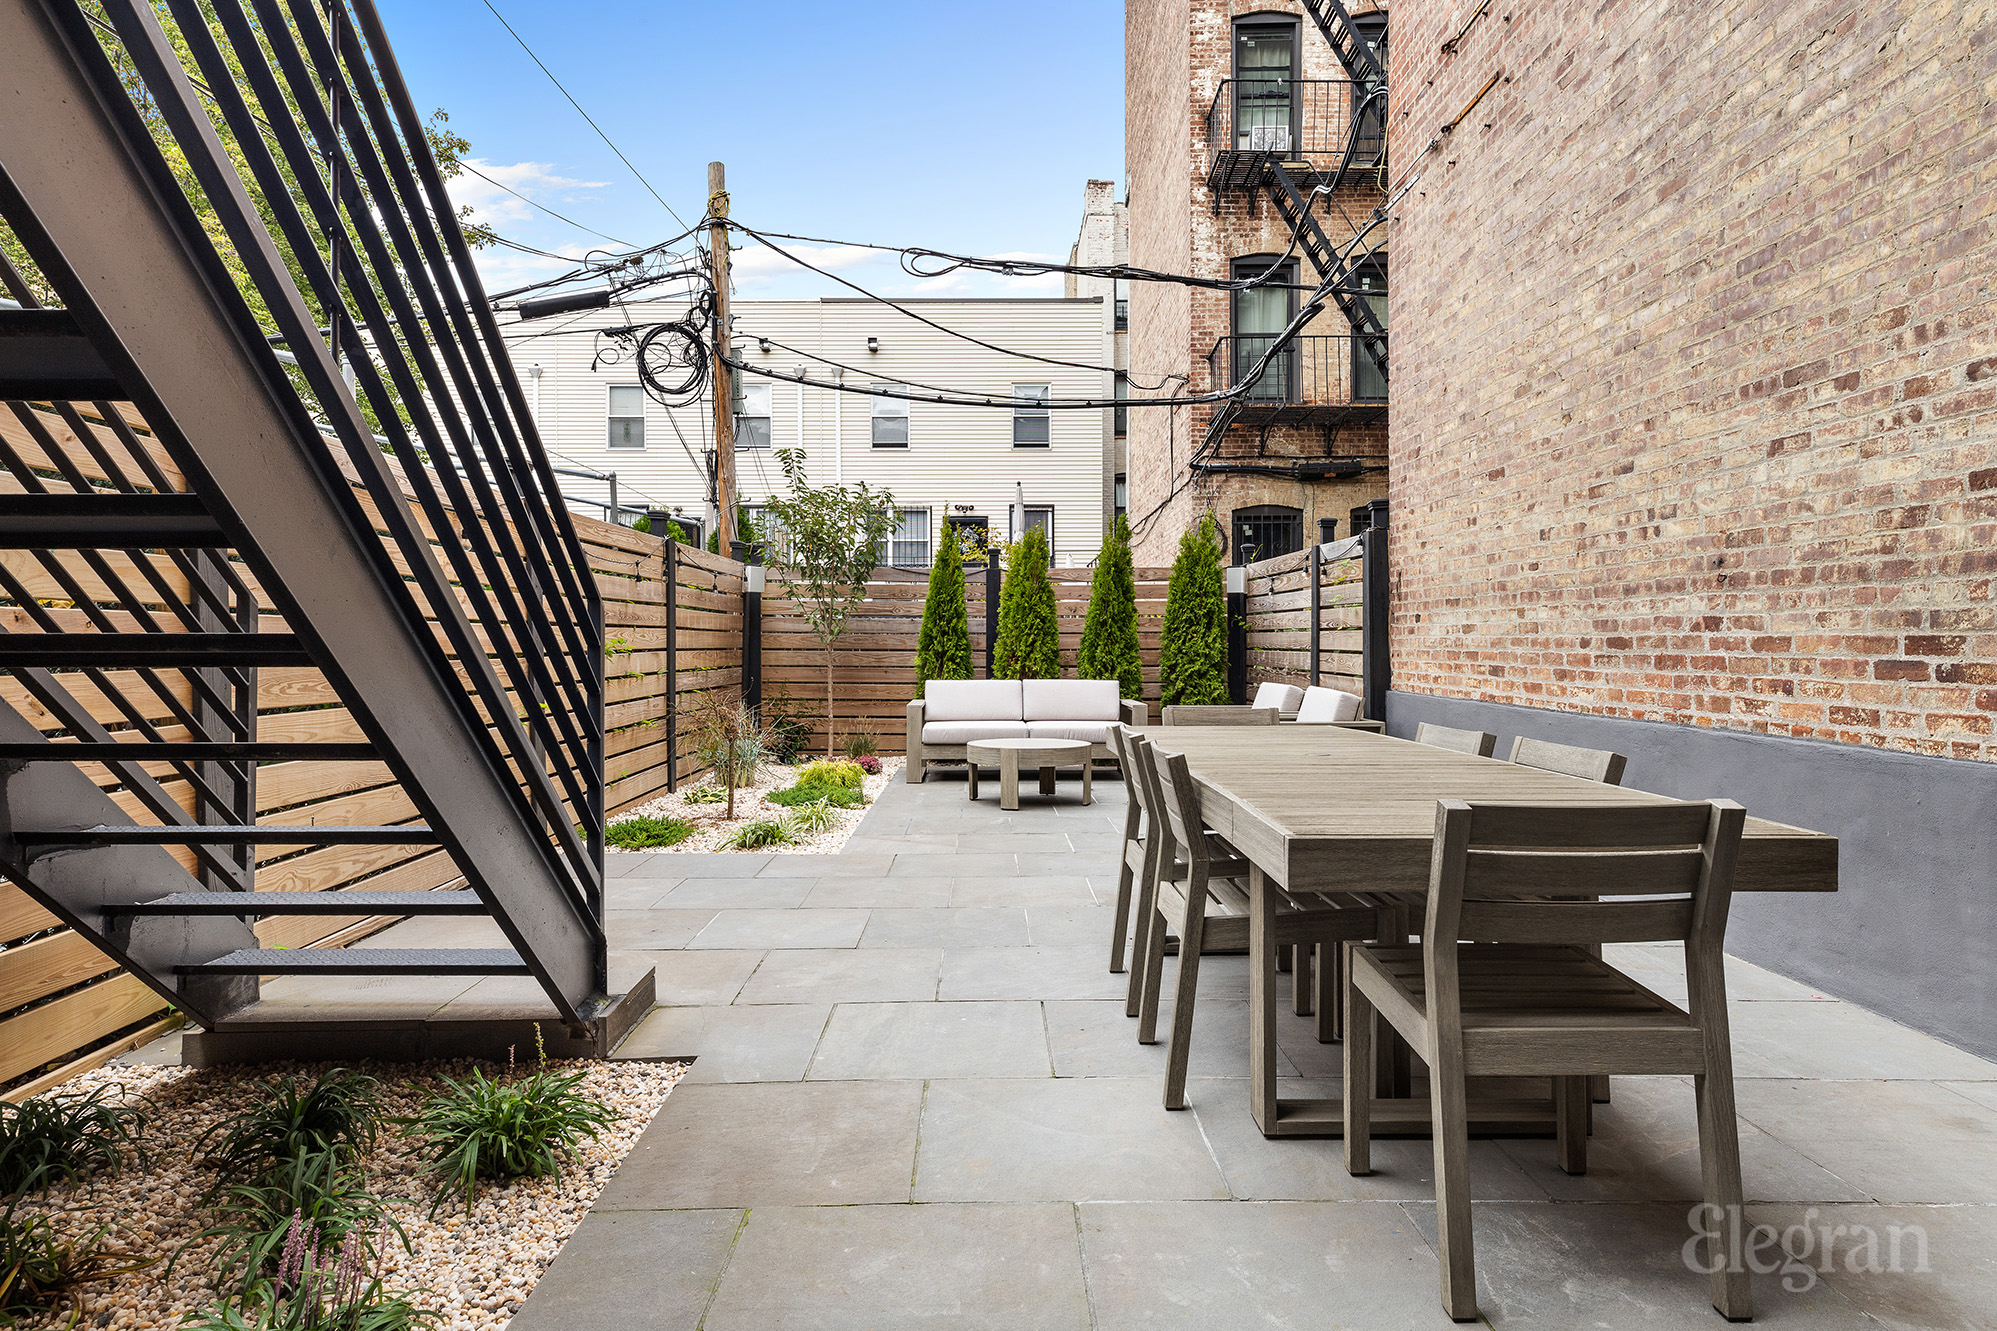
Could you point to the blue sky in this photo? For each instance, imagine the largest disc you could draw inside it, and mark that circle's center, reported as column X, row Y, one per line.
column 967, row 126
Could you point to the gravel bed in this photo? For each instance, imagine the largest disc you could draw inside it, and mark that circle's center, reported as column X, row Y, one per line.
column 475, row 1268
column 711, row 825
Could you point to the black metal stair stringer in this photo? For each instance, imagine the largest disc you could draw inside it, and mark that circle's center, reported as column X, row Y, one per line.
column 1335, row 270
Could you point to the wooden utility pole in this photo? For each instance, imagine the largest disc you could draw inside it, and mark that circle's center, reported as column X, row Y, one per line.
column 724, row 375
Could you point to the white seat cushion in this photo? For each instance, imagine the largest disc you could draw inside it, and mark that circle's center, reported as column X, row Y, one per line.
column 1095, row 732
column 1071, row 700
column 1282, row 697
column 973, row 700
column 1323, row 706
column 963, row 732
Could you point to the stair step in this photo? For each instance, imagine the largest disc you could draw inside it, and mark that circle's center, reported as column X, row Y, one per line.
column 165, row 650
column 268, row 834
column 306, row 903
column 107, row 521
column 363, row 961
column 44, row 354
column 190, row 751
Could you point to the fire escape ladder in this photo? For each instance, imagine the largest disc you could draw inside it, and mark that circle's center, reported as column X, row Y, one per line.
column 237, row 487
column 1335, row 270
column 1335, row 22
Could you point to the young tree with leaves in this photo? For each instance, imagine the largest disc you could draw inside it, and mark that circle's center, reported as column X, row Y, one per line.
column 1109, row 634
column 944, row 649
column 827, row 542
column 1192, row 659
column 1029, row 636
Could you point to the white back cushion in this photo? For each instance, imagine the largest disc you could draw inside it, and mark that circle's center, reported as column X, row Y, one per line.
column 1071, row 699
column 1323, row 706
column 972, row 700
column 1282, row 697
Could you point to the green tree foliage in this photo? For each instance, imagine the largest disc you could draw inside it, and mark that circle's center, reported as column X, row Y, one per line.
column 1029, row 639
column 1109, row 634
column 1192, row 659
column 944, row 649
column 827, row 544
column 744, row 531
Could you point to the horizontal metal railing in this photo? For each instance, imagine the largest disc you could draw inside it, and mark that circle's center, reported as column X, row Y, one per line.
column 1315, row 371
column 1336, row 125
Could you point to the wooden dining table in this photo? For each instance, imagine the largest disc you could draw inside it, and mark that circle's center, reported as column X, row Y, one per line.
column 1323, row 808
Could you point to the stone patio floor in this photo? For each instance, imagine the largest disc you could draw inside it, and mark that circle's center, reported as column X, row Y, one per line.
column 917, row 1101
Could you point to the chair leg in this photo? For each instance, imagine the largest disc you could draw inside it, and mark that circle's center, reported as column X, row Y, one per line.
column 1121, row 924
column 1154, row 976
column 1719, row 1162
column 1450, row 1123
column 1598, row 1089
column 1570, row 1095
column 1192, row 932
column 1301, row 988
column 1145, row 907
column 1358, row 1060
column 1330, row 956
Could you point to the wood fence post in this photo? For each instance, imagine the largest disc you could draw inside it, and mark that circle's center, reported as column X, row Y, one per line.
column 1237, row 633
column 1316, row 566
column 1374, row 664
column 994, row 583
column 672, row 665
column 752, row 630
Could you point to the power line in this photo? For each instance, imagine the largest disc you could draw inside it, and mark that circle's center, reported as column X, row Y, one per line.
column 542, row 206
column 584, row 114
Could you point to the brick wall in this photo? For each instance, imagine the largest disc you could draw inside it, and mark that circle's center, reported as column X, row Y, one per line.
column 1695, row 370
column 1176, row 53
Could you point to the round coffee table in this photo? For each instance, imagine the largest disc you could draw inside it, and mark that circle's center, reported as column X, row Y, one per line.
column 1009, row 755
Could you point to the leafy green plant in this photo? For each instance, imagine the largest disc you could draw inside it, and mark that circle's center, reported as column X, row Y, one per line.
column 705, row 795
column 64, row 1135
column 860, row 744
column 829, row 545
column 320, row 1285
column 832, row 772
column 812, row 817
column 336, row 1114
column 40, row 1265
column 1192, row 657
column 729, row 737
column 1109, row 633
column 839, row 797
column 482, row 1129
column 760, row 832
column 321, row 1187
column 943, row 651
column 1029, row 636
column 644, row 831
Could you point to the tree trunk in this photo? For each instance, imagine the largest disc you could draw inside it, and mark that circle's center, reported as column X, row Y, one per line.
column 828, row 700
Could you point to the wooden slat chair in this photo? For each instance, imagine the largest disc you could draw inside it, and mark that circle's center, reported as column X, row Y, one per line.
column 1477, row 742
column 1131, row 865
column 1206, row 896
column 1221, row 716
column 1527, row 1000
column 1569, row 760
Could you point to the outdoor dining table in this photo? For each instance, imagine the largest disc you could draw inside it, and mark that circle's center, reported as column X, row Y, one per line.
column 1324, row 808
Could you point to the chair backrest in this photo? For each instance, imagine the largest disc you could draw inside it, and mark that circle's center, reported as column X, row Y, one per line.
column 1221, row 716
column 1476, row 742
column 1179, row 796
column 1568, row 760
column 1120, row 737
column 1282, row 697
column 1325, row 706
column 1166, row 831
column 1520, row 873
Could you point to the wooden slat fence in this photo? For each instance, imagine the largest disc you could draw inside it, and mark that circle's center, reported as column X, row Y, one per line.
column 1304, row 618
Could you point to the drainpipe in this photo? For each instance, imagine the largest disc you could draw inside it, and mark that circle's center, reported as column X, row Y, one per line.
column 534, row 373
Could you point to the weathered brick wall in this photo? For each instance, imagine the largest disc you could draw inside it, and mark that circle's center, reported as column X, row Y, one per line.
column 1176, row 53
column 1695, row 375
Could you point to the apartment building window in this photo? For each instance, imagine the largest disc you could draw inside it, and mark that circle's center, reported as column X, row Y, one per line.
column 908, row 547
column 1368, row 383
column 752, row 415
column 1121, row 413
column 627, row 416
column 1267, row 530
column 1121, row 498
column 1039, row 516
column 1265, row 68
column 890, row 420
column 1371, row 138
column 1120, row 287
column 1030, row 417
column 1259, row 315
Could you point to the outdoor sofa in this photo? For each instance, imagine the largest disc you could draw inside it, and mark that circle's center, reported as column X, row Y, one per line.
column 957, row 712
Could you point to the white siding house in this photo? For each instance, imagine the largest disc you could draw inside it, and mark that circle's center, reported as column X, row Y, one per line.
column 968, row 464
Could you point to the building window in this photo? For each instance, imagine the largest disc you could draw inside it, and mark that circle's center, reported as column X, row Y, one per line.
column 1037, row 515
column 1121, row 413
column 1266, row 531
column 1030, row 419
column 1265, row 69
column 752, row 415
column 908, row 547
column 1260, row 314
column 1121, row 289
column 627, row 416
column 1122, row 495
column 891, row 423
column 1369, row 382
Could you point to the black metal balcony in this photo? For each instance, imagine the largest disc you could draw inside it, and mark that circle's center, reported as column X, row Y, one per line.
column 1327, row 131
column 1327, row 379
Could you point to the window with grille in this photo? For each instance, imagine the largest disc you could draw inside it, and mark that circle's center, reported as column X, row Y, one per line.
column 1122, row 298
column 908, row 547
column 1121, row 412
column 752, row 415
column 1030, row 417
column 890, row 422
column 1267, row 530
column 1122, row 499
column 627, row 416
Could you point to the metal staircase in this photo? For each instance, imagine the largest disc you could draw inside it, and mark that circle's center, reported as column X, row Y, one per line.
column 194, row 506
column 1335, row 22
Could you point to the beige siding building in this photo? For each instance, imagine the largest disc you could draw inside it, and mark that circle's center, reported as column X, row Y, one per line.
column 991, row 468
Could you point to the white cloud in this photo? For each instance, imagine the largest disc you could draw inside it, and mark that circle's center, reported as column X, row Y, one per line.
column 492, row 205
column 755, row 264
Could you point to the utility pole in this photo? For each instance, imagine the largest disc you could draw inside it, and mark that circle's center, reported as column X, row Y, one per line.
column 724, row 375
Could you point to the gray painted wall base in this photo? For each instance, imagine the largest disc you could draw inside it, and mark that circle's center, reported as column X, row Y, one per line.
column 1912, row 930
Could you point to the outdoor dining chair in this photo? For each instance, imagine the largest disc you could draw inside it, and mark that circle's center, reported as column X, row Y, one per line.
column 1569, row 760
column 1223, row 715
column 1130, row 866
column 1477, row 742
column 1525, row 998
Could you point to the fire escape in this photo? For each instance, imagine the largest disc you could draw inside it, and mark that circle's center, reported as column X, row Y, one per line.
column 1335, row 137
column 274, row 428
